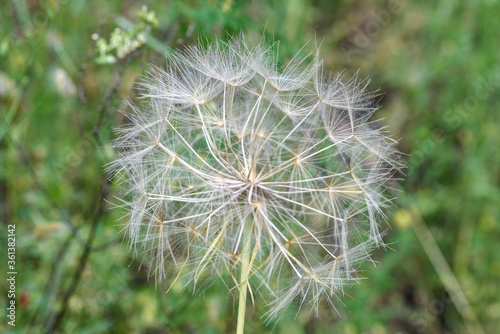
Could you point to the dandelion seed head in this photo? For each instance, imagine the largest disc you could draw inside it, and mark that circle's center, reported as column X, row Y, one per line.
column 226, row 145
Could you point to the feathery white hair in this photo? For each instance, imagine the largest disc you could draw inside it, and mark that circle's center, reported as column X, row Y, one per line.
column 229, row 146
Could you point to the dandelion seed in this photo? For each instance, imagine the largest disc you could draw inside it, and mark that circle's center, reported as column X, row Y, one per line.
column 270, row 178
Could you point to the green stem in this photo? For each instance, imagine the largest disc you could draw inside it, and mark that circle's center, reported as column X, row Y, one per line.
column 245, row 266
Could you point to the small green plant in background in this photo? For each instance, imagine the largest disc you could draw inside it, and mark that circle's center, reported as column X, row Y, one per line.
column 122, row 42
column 268, row 176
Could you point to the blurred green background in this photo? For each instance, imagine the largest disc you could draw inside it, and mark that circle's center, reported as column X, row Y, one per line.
column 62, row 80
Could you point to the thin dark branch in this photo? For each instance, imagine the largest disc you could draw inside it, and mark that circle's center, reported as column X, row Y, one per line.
column 54, row 324
column 50, row 287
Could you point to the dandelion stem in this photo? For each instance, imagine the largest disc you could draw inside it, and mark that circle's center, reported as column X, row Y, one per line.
column 244, row 275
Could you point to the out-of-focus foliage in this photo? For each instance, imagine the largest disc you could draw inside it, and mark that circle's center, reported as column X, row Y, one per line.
column 437, row 63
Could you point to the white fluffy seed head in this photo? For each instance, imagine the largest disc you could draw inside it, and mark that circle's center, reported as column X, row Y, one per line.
column 228, row 147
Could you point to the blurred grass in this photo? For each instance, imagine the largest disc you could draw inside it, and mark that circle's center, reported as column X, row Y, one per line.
column 438, row 64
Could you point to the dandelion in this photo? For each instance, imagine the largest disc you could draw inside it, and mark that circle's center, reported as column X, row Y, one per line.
column 268, row 176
